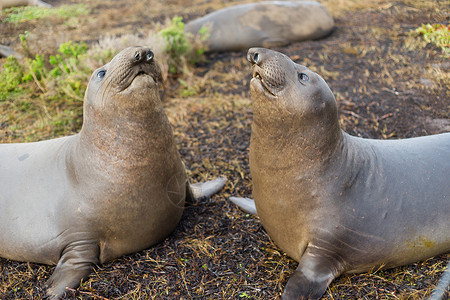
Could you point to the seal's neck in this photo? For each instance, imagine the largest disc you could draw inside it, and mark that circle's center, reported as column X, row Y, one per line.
column 127, row 136
column 284, row 145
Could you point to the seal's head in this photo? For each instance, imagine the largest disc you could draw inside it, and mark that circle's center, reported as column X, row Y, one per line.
column 283, row 91
column 130, row 80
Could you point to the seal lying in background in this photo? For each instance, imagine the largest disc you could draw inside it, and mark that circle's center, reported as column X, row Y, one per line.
column 267, row 24
column 337, row 203
column 12, row 3
column 117, row 187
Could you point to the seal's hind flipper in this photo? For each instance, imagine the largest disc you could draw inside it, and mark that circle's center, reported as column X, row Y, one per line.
column 246, row 204
column 312, row 277
column 74, row 265
column 206, row 189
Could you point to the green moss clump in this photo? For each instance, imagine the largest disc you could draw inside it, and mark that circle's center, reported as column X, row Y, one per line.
column 437, row 34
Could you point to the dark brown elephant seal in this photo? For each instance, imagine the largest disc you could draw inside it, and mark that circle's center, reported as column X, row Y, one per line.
column 266, row 24
column 116, row 187
column 337, row 203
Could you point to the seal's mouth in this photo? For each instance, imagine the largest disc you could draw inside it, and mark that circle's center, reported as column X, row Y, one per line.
column 256, row 72
column 140, row 73
column 141, row 76
column 134, row 69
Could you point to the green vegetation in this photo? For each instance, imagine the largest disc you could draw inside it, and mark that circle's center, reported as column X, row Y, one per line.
column 29, row 13
column 188, row 90
column 36, row 86
column 181, row 48
column 11, row 77
column 437, row 34
column 45, row 92
column 63, row 66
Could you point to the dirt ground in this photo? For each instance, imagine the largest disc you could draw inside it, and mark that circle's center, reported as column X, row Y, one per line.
column 385, row 87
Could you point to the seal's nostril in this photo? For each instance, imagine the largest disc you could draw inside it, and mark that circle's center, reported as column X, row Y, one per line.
column 255, row 57
column 149, row 56
column 137, row 56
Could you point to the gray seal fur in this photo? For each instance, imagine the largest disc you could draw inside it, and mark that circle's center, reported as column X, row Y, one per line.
column 337, row 203
column 117, row 187
column 267, row 24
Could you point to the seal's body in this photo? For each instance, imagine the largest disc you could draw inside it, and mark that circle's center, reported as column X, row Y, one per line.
column 334, row 202
column 267, row 24
column 116, row 187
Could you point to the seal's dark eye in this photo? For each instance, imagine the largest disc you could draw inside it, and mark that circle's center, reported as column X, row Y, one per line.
column 303, row 77
column 101, row 73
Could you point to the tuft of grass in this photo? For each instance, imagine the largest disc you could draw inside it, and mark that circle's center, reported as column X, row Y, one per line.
column 437, row 34
column 29, row 13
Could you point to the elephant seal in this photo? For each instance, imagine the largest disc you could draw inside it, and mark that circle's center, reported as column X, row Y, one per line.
column 266, row 24
column 13, row 3
column 333, row 202
column 116, row 187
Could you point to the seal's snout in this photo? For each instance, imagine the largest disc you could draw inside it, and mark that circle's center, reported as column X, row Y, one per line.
column 143, row 55
column 254, row 55
column 267, row 69
column 134, row 63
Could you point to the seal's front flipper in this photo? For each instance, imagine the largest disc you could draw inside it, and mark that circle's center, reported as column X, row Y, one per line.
column 246, row 204
column 74, row 265
column 312, row 277
column 206, row 189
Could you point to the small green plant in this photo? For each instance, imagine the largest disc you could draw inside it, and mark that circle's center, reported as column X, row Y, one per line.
column 179, row 47
column 188, row 90
column 69, row 55
column 29, row 13
column 204, row 35
column 437, row 34
column 11, row 77
column 36, row 69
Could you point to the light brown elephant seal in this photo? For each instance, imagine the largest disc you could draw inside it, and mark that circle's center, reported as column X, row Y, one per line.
column 116, row 187
column 337, row 203
column 267, row 24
